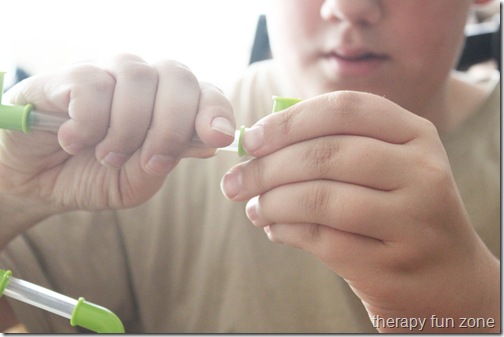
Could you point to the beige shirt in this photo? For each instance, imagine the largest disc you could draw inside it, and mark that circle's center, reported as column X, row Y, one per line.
column 188, row 260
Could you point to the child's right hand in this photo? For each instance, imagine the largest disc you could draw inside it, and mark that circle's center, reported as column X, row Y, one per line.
column 130, row 124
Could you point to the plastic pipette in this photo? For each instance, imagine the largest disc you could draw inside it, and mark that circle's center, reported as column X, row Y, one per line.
column 24, row 118
column 80, row 312
column 93, row 317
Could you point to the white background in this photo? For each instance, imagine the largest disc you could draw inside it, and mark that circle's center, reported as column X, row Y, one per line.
column 212, row 37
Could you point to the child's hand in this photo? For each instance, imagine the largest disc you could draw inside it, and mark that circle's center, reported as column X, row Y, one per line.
column 130, row 123
column 366, row 187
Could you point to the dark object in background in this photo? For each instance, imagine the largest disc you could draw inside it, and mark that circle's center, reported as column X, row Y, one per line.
column 20, row 74
column 483, row 43
column 261, row 48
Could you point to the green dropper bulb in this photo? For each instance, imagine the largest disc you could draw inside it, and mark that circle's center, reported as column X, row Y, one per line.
column 95, row 318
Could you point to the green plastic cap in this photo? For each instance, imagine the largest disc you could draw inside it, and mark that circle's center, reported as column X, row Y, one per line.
column 13, row 117
column 95, row 318
column 241, row 149
column 282, row 103
column 5, row 276
column 279, row 104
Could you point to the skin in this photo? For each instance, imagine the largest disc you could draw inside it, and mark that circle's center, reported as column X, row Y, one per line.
column 122, row 138
column 110, row 156
column 372, row 194
column 121, row 141
column 414, row 43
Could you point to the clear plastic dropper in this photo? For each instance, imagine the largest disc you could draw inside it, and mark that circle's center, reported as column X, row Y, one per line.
column 80, row 312
column 24, row 118
column 40, row 297
column 235, row 146
column 42, row 121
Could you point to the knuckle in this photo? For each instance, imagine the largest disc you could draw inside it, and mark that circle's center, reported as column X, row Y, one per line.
column 134, row 69
column 179, row 72
column 126, row 58
column 102, row 82
column 176, row 140
column 432, row 159
column 213, row 96
column 316, row 201
column 434, row 169
column 408, row 260
column 348, row 106
column 287, row 122
column 314, row 233
column 92, row 76
column 254, row 172
column 320, row 157
column 141, row 72
column 344, row 101
column 429, row 128
column 440, row 178
column 207, row 86
column 80, row 80
column 123, row 143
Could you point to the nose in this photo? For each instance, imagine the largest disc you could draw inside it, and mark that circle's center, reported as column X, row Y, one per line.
column 357, row 12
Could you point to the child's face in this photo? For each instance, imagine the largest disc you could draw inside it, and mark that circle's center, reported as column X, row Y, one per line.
column 400, row 49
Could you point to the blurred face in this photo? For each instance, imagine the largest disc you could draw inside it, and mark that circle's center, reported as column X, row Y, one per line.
column 400, row 49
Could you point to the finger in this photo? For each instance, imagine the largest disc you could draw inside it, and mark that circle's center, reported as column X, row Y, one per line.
column 350, row 208
column 336, row 113
column 131, row 110
column 82, row 92
column 172, row 125
column 346, row 253
column 215, row 123
column 351, row 159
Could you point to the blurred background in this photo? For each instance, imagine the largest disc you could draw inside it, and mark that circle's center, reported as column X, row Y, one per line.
column 212, row 37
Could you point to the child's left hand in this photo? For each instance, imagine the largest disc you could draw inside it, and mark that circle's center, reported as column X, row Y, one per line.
column 366, row 187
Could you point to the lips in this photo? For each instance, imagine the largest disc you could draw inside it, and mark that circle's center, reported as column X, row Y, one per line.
column 352, row 62
column 355, row 57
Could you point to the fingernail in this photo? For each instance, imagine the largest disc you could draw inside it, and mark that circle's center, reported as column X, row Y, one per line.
column 270, row 236
column 253, row 138
column 73, row 148
column 114, row 160
column 222, row 125
column 160, row 164
column 267, row 230
column 231, row 183
column 251, row 209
